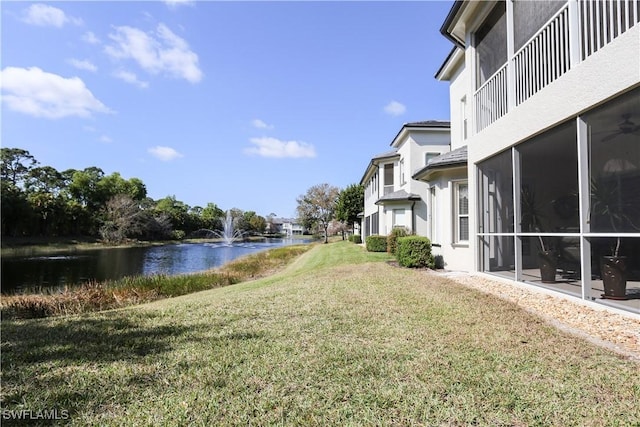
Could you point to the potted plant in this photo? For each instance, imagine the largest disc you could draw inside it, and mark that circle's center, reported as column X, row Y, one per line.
column 609, row 207
column 531, row 221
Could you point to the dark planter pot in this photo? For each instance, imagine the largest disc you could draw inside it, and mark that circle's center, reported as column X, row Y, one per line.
column 614, row 277
column 548, row 262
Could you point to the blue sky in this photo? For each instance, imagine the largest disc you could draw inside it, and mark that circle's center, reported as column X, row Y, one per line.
column 243, row 104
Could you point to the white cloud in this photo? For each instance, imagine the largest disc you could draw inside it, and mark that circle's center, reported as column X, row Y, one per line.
column 38, row 93
column 130, row 78
column 83, row 64
column 259, row 124
column 105, row 139
column 166, row 154
column 90, row 38
column 395, row 108
column 273, row 147
column 48, row 16
column 175, row 3
column 162, row 53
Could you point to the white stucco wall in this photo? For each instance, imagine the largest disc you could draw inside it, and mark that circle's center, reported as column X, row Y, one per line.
column 457, row 256
column 457, row 91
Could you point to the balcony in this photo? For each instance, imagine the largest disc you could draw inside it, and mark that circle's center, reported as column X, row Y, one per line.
column 576, row 31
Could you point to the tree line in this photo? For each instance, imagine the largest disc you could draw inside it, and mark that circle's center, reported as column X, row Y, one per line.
column 40, row 201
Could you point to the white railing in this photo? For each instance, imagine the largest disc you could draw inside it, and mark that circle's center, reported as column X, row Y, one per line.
column 547, row 55
column 544, row 58
column 491, row 99
column 604, row 20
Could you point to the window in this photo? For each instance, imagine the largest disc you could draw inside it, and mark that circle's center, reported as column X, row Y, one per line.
column 399, row 218
column 402, row 180
column 375, row 224
column 461, row 227
column 388, row 178
column 432, row 214
column 429, row 156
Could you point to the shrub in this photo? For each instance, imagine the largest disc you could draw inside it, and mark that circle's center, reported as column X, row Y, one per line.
column 356, row 238
column 178, row 234
column 414, row 252
column 392, row 238
column 439, row 262
column 376, row 243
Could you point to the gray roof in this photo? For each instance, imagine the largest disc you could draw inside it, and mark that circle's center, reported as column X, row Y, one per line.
column 429, row 124
column 397, row 196
column 385, row 155
column 457, row 157
column 426, row 124
column 381, row 156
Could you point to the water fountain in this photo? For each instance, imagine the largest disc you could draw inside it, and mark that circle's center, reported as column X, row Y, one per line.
column 228, row 233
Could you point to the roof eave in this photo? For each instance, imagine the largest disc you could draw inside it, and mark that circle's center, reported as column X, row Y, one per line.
column 408, row 127
column 448, row 68
column 425, row 173
column 375, row 162
column 446, row 28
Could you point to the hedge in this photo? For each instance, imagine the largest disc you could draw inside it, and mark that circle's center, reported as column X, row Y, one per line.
column 376, row 243
column 396, row 232
column 415, row 252
column 355, row 238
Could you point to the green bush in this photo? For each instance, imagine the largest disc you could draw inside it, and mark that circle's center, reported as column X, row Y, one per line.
column 392, row 238
column 178, row 234
column 356, row 238
column 376, row 243
column 415, row 252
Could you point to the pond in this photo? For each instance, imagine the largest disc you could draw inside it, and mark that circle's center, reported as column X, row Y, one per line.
column 48, row 272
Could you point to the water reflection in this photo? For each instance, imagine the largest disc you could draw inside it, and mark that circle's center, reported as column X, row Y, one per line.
column 30, row 273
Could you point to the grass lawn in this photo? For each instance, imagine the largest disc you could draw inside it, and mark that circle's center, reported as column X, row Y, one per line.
column 338, row 338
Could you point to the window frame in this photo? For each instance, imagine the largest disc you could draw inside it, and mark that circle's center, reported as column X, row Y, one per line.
column 457, row 215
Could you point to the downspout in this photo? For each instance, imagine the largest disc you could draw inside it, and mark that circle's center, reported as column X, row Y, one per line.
column 413, row 221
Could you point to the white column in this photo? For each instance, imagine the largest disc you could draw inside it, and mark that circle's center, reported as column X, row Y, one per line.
column 511, row 69
column 584, row 205
column 574, row 33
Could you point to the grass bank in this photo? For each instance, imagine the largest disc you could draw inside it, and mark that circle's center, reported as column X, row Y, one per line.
column 98, row 296
column 337, row 338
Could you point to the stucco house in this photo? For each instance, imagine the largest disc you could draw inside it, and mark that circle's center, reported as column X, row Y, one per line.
column 287, row 226
column 421, row 184
column 545, row 96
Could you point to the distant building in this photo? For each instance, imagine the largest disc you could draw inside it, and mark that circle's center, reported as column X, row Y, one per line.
column 287, row 226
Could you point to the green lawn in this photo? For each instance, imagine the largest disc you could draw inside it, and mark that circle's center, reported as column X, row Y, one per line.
column 338, row 338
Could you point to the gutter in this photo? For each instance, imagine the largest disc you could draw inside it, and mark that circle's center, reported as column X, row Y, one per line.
column 444, row 29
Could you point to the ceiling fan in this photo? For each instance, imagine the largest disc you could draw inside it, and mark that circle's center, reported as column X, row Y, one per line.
column 626, row 127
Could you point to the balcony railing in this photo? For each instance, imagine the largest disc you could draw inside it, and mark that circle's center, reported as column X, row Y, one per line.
column 603, row 21
column 544, row 58
column 491, row 99
column 548, row 54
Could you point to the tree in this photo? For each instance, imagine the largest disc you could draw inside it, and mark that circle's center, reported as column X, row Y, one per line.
column 211, row 216
column 350, row 204
column 123, row 218
column 176, row 210
column 318, row 205
column 15, row 165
